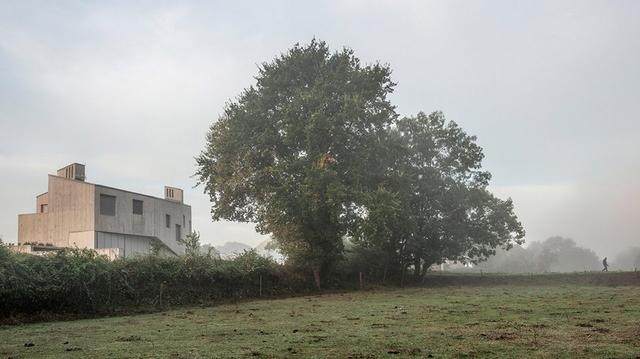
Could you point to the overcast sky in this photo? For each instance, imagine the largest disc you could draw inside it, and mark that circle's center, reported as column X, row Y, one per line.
column 551, row 89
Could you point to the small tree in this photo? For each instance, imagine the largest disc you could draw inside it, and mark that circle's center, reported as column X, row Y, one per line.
column 434, row 204
column 191, row 243
column 156, row 246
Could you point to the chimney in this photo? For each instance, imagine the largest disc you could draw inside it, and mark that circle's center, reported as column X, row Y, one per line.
column 173, row 194
column 73, row 171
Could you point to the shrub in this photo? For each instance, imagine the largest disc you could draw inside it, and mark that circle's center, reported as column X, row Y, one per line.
column 80, row 281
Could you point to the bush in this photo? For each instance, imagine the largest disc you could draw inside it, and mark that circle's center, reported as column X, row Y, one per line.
column 80, row 281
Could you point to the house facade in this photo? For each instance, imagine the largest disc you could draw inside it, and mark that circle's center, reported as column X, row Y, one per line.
column 115, row 222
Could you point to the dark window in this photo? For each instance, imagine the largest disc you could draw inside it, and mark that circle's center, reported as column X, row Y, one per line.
column 184, row 221
column 167, row 220
column 137, row 206
column 178, row 232
column 107, row 205
column 43, row 208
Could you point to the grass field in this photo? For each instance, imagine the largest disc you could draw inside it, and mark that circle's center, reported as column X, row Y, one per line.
column 500, row 321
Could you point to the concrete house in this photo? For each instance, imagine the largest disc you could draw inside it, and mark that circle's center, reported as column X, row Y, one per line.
column 115, row 222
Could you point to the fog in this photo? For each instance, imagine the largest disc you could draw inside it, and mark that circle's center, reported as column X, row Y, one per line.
column 554, row 254
column 549, row 87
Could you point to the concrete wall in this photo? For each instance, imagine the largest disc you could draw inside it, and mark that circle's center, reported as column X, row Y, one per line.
column 84, row 239
column 33, row 228
column 42, row 199
column 71, row 209
column 152, row 221
column 111, row 253
column 35, row 250
column 70, row 206
column 128, row 245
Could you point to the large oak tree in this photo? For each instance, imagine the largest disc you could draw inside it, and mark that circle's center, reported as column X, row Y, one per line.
column 294, row 152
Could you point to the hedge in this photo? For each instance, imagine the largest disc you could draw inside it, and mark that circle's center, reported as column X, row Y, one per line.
column 80, row 281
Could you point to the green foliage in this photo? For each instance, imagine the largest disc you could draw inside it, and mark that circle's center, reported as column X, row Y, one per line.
column 209, row 251
column 191, row 244
column 156, row 247
column 293, row 153
column 315, row 154
column 80, row 281
column 434, row 205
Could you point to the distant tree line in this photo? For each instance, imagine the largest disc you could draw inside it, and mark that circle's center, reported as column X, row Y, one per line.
column 316, row 155
column 555, row 254
column 628, row 259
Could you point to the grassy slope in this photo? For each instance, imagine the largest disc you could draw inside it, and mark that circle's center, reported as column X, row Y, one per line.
column 505, row 321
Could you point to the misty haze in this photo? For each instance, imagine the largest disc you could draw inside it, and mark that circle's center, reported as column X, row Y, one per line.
column 320, row 179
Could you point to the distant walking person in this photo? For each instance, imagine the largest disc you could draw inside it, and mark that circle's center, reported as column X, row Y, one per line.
column 605, row 265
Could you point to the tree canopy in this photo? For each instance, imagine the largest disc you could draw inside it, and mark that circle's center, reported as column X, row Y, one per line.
column 435, row 204
column 555, row 254
column 314, row 153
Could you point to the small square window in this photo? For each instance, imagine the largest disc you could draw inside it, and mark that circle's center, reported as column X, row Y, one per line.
column 167, row 220
column 107, row 205
column 137, row 206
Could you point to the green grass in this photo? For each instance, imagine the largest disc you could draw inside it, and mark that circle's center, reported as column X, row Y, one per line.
column 500, row 321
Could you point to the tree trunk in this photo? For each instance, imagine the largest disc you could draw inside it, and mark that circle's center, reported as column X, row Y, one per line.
column 417, row 268
column 316, row 277
column 384, row 275
column 425, row 268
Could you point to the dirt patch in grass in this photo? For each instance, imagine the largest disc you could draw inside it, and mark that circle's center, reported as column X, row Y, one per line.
column 630, row 336
column 129, row 338
column 500, row 335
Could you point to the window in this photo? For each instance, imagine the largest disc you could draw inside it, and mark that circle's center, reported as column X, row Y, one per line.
column 184, row 221
column 43, row 208
column 137, row 206
column 107, row 205
column 167, row 220
column 178, row 232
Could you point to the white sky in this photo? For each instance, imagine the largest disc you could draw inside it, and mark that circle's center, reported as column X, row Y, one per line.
column 551, row 89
